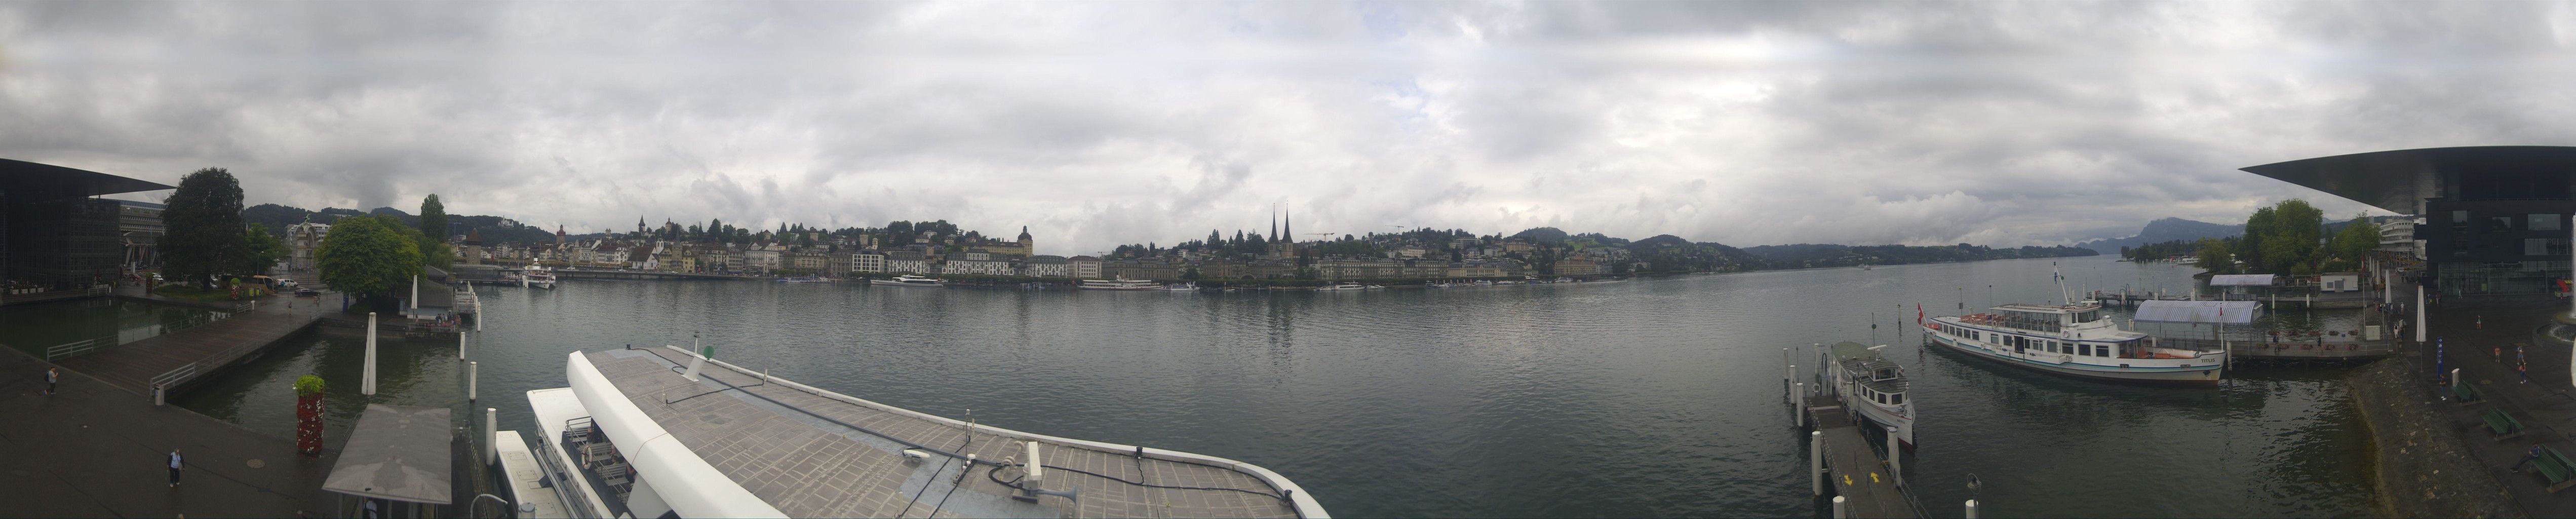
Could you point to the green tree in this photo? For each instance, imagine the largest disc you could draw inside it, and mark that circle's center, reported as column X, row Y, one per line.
column 433, row 218
column 2214, row 257
column 370, row 256
column 261, row 249
column 2356, row 240
column 2291, row 236
column 202, row 225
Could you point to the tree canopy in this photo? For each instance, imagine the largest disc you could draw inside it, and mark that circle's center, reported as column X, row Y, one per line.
column 433, row 218
column 203, row 227
column 371, row 256
column 261, row 249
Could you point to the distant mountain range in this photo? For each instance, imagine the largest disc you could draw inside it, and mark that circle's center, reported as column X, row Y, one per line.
column 2165, row 230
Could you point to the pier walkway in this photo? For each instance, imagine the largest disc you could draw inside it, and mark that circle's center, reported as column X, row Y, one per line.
column 177, row 358
column 93, row 451
column 1853, row 468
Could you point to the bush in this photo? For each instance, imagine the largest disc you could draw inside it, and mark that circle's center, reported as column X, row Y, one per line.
column 308, row 385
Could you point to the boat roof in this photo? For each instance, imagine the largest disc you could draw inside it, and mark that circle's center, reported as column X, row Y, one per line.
column 815, row 453
column 2050, row 309
column 1859, row 358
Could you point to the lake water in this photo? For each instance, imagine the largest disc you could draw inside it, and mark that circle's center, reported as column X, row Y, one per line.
column 35, row 327
column 1657, row 397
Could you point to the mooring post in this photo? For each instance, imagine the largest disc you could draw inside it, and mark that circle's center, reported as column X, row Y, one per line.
column 1972, row 509
column 2455, row 378
column 1816, row 463
column 471, row 374
column 460, row 345
column 1800, row 395
column 1895, row 457
column 2418, row 325
column 1840, row 510
column 491, row 435
column 367, row 383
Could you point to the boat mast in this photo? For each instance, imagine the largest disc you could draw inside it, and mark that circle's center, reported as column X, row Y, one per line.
column 2059, row 274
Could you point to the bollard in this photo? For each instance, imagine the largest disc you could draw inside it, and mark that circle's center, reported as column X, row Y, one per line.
column 367, row 383
column 1801, row 410
column 1816, row 463
column 491, row 436
column 1841, row 511
column 1972, row 509
column 1895, row 453
column 2455, row 379
column 460, row 345
column 156, row 396
column 471, row 369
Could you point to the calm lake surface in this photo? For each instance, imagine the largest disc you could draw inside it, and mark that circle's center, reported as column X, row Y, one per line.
column 1657, row 397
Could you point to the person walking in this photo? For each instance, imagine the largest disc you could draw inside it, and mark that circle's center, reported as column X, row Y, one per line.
column 174, row 468
column 2525, row 370
column 53, row 377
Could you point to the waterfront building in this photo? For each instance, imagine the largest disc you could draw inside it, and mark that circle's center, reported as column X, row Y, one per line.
column 907, row 262
column 1411, row 252
column 760, row 259
column 1474, row 270
column 1577, row 266
column 1082, row 267
column 642, row 257
column 867, row 262
column 1048, row 266
column 1139, row 269
column 1516, row 246
column 2398, row 235
column 988, row 266
column 836, row 264
column 301, row 240
column 1339, row 269
column 2495, row 218
column 807, row 261
column 53, row 233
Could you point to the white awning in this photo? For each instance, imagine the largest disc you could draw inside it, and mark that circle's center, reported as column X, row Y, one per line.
column 2228, row 312
column 2241, row 280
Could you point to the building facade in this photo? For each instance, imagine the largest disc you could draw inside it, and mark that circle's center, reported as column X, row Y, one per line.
column 2494, row 219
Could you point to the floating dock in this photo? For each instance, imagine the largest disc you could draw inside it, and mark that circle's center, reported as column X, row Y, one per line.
column 174, row 359
column 1867, row 486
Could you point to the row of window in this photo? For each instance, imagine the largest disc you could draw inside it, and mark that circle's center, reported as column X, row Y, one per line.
column 2019, row 342
column 2529, row 222
column 1883, row 398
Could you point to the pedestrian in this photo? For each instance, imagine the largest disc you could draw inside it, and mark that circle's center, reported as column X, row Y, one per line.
column 2526, row 373
column 2481, row 321
column 53, row 376
column 2517, row 355
column 174, row 468
column 2527, row 457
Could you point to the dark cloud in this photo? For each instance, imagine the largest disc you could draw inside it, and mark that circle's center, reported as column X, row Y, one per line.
column 1103, row 123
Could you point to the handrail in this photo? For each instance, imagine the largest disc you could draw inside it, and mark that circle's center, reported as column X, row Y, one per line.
column 76, row 348
column 174, row 376
column 547, row 456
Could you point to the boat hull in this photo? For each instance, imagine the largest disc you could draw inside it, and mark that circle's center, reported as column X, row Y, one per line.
column 2207, row 375
column 884, row 283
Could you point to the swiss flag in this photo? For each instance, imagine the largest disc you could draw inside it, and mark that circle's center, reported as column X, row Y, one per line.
column 1918, row 313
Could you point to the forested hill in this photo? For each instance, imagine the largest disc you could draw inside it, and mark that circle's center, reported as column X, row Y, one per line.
column 493, row 228
column 1810, row 255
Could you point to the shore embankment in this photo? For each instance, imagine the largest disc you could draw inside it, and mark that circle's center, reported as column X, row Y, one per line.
column 2421, row 466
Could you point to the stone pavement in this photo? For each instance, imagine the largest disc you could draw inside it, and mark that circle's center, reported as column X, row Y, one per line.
column 2546, row 406
column 94, row 450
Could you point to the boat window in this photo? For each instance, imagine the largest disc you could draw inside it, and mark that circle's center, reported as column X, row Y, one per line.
column 1896, row 399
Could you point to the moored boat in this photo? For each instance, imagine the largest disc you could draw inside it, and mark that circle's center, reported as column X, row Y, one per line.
column 1120, row 284
column 2074, row 340
column 1869, row 383
column 909, row 281
column 537, row 276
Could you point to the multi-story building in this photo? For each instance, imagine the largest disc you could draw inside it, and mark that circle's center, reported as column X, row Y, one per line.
column 836, row 264
column 867, row 262
column 989, row 266
column 2495, row 218
column 809, row 262
column 1153, row 269
column 907, row 262
column 139, row 225
column 1475, row 270
column 1047, row 266
column 1345, row 269
column 760, row 259
column 301, row 240
column 1577, row 266
column 1082, row 267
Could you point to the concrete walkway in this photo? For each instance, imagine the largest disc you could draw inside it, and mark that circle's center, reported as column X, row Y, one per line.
column 94, row 450
column 208, row 347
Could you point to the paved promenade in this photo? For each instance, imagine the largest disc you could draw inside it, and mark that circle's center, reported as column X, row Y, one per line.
column 207, row 347
column 2546, row 406
column 95, row 450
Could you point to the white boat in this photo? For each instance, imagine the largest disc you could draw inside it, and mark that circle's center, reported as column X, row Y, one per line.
column 909, row 281
column 1341, row 287
column 1181, row 287
column 1874, row 386
column 2073, row 340
column 537, row 276
column 633, row 435
column 1120, row 284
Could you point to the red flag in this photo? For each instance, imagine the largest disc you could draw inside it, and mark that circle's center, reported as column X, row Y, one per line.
column 1918, row 313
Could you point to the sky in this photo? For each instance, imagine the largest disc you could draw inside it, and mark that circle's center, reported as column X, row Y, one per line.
column 1101, row 123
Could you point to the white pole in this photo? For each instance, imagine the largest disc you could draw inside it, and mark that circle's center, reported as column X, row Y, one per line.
column 1895, row 457
column 472, row 374
column 491, row 435
column 1816, row 463
column 367, row 384
column 1972, row 509
column 415, row 292
column 2419, row 314
column 1841, row 511
column 460, row 341
column 1800, row 396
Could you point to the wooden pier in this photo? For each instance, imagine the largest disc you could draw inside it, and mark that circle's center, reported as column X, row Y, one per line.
column 1853, row 470
column 174, row 359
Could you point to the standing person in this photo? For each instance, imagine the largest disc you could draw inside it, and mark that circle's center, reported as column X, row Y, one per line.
column 174, row 468
column 53, row 376
column 2525, row 370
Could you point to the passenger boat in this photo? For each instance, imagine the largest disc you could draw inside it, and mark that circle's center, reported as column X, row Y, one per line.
column 2072, row 340
column 1181, row 287
column 1119, row 284
column 537, row 276
column 802, row 279
column 909, row 281
column 1341, row 287
column 1872, row 385
column 666, row 432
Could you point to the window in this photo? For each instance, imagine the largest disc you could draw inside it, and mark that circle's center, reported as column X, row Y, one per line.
column 2542, row 222
column 2459, row 217
column 2499, row 223
column 1896, row 399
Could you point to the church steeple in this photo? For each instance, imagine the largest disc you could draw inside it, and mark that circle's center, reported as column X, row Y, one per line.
column 1274, row 223
column 1288, row 228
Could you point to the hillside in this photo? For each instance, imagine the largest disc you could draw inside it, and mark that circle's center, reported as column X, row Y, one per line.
column 2165, row 230
column 1810, row 255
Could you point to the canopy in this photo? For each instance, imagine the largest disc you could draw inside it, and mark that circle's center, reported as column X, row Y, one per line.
column 2227, row 312
column 396, row 452
column 2241, row 280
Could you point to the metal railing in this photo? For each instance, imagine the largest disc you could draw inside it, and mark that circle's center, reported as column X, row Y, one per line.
column 80, row 347
column 161, row 382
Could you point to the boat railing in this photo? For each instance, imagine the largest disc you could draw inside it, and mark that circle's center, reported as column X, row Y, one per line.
column 548, row 459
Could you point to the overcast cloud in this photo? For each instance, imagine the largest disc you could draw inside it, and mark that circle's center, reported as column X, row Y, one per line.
column 1102, row 123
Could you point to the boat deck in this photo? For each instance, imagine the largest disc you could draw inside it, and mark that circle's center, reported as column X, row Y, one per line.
column 781, row 442
column 1854, row 469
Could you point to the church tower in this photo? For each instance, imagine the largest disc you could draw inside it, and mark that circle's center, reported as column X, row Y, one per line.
column 1027, row 248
